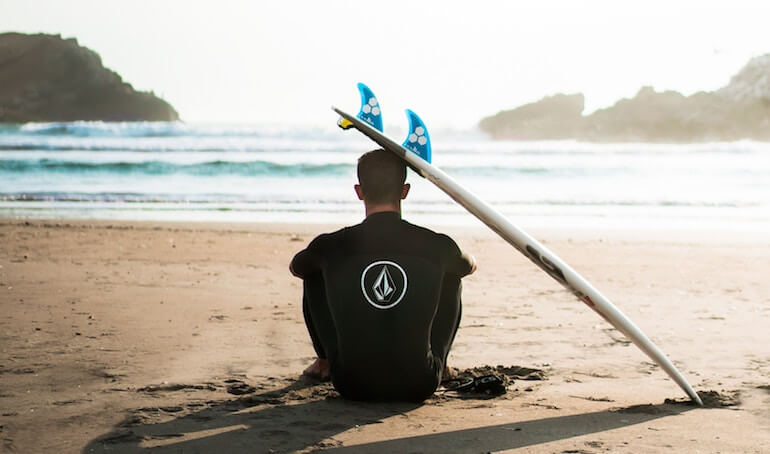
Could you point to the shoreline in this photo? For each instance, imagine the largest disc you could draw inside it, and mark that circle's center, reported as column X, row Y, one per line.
column 542, row 234
column 120, row 335
column 725, row 219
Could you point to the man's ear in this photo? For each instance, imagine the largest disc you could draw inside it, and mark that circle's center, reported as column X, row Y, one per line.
column 359, row 191
column 405, row 190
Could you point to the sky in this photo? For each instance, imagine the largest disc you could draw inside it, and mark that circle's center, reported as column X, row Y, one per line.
column 453, row 62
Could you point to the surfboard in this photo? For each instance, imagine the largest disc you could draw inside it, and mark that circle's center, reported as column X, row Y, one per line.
column 416, row 151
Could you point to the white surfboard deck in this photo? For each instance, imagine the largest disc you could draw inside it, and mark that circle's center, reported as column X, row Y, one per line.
column 531, row 248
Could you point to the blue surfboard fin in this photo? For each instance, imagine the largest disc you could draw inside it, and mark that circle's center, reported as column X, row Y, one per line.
column 370, row 110
column 418, row 139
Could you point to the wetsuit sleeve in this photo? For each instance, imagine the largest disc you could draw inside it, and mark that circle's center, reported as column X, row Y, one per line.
column 308, row 261
column 458, row 263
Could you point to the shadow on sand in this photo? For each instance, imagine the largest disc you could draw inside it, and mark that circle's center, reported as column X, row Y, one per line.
column 306, row 416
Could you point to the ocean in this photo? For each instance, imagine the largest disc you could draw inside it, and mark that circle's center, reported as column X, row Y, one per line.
column 219, row 173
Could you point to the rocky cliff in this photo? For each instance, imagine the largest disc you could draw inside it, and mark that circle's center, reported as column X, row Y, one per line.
column 47, row 78
column 740, row 110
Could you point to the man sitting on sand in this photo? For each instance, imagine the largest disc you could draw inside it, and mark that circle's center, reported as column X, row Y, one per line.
column 382, row 298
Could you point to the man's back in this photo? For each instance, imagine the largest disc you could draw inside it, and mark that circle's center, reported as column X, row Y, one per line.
column 390, row 305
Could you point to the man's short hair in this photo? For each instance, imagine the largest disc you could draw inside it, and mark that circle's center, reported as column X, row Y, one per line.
column 381, row 175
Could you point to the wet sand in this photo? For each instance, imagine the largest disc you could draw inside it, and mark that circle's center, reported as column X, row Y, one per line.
column 190, row 338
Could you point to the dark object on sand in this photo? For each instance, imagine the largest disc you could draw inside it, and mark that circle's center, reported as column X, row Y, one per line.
column 239, row 388
column 713, row 399
column 491, row 385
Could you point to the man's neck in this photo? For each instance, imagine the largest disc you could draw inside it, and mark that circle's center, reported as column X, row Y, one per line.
column 372, row 209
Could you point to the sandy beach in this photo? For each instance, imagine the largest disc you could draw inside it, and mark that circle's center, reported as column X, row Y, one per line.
column 118, row 336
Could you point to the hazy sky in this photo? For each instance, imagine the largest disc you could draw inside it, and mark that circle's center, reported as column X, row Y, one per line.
column 452, row 62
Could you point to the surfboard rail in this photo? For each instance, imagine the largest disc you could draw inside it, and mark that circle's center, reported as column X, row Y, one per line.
column 529, row 247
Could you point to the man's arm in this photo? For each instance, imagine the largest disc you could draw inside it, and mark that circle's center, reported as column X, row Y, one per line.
column 458, row 263
column 297, row 264
column 308, row 260
column 470, row 262
column 447, row 318
column 304, row 263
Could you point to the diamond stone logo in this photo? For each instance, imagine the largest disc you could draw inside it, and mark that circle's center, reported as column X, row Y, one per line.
column 383, row 286
column 383, row 283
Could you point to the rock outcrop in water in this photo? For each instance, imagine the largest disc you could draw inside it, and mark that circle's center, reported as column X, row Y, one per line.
column 47, row 78
column 740, row 110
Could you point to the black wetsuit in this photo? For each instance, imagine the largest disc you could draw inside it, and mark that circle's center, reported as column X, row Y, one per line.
column 382, row 304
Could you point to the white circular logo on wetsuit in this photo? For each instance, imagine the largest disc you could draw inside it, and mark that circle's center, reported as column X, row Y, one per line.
column 383, row 283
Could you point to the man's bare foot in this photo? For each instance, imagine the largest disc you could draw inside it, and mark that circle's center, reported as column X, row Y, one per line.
column 449, row 373
column 318, row 370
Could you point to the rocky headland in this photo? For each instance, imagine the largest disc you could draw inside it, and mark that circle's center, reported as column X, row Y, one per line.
column 739, row 110
column 46, row 78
